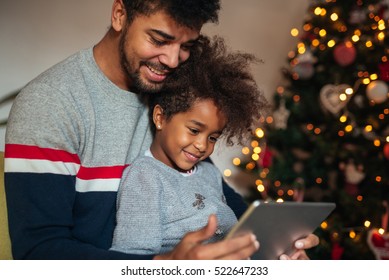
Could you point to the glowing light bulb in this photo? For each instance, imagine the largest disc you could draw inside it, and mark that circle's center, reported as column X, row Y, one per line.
column 294, row 32
column 259, row 132
column 334, row 16
column 343, row 119
column 331, row 43
column 236, row 161
column 245, row 150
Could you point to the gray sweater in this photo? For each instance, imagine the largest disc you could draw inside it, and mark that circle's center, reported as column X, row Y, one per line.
column 157, row 206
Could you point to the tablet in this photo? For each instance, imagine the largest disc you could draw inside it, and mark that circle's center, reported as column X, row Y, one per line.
column 278, row 225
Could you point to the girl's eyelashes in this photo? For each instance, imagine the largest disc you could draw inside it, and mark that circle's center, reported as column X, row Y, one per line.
column 193, row 131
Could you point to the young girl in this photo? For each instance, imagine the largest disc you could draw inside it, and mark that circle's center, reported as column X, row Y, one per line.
column 171, row 191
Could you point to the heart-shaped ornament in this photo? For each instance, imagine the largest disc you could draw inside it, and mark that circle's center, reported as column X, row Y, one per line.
column 379, row 244
column 330, row 97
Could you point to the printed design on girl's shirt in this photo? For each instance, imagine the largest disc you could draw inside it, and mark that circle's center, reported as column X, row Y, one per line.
column 199, row 203
column 219, row 231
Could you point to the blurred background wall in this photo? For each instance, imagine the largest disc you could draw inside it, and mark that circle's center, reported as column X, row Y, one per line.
column 36, row 34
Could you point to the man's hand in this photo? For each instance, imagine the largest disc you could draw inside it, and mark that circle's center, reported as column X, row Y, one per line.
column 300, row 245
column 191, row 246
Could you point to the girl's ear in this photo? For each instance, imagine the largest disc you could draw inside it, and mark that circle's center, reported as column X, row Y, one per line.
column 158, row 117
column 118, row 16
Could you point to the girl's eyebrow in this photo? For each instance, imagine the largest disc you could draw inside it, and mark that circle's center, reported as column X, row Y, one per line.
column 197, row 123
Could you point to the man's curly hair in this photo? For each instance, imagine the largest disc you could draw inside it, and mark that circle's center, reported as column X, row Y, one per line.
column 212, row 72
column 190, row 13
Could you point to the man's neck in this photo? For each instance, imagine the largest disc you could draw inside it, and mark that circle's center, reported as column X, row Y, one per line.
column 107, row 56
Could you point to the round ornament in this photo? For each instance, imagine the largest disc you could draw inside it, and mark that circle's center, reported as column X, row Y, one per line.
column 345, row 53
column 386, row 150
column 377, row 91
column 304, row 70
column 357, row 16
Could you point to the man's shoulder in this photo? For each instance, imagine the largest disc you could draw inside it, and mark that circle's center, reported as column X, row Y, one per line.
column 65, row 69
column 60, row 79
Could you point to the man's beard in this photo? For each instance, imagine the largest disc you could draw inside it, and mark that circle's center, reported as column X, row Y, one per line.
column 136, row 81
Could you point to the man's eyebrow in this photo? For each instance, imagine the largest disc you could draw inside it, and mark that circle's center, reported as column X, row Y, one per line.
column 163, row 34
column 170, row 37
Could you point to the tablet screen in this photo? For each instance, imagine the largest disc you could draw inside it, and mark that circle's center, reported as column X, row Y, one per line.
column 278, row 225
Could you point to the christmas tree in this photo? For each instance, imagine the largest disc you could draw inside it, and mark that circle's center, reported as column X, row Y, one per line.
column 328, row 136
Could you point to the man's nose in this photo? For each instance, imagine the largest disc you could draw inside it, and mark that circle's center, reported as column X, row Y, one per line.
column 171, row 56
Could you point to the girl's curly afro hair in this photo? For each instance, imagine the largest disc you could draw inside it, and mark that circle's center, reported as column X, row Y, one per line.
column 212, row 72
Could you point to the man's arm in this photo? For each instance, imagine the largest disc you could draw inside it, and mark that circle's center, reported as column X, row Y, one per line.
column 40, row 176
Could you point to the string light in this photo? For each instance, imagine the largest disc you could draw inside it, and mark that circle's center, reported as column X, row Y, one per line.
column 294, row 32
column 245, row 150
column 381, row 36
column 227, row 172
column 269, row 119
column 254, row 143
column 373, row 77
column 355, row 38
column 334, row 16
column 255, row 157
column 259, row 132
column 250, row 166
column 368, row 128
column 349, row 91
column 236, row 161
column 369, row 44
column 348, row 128
column 331, row 43
column 343, row 118
column 366, row 81
column 261, row 188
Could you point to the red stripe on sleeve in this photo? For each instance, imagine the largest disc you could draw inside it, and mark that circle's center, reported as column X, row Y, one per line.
column 34, row 152
column 107, row 172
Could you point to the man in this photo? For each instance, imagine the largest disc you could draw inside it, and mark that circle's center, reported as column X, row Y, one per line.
column 74, row 128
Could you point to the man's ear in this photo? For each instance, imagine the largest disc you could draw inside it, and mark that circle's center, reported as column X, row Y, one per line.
column 158, row 117
column 118, row 15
